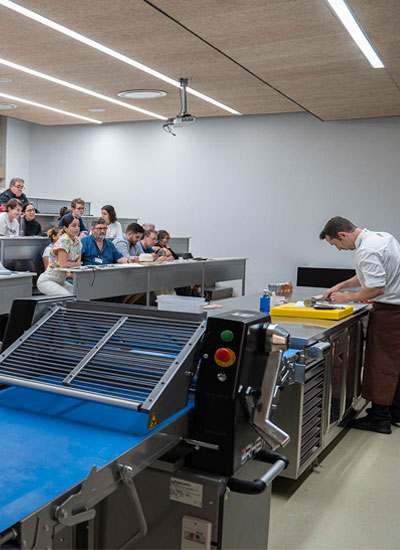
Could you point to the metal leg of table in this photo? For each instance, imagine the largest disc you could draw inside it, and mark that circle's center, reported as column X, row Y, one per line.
column 202, row 282
column 148, row 289
column 244, row 284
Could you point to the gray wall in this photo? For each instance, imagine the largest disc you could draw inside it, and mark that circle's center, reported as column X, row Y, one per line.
column 256, row 186
column 18, row 153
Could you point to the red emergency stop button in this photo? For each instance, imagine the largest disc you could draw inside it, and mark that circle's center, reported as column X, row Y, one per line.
column 225, row 357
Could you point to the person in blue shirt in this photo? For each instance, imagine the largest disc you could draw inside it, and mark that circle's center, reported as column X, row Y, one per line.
column 97, row 250
column 77, row 209
column 148, row 242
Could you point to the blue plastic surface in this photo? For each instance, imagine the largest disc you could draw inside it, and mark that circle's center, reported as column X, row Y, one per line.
column 49, row 443
column 290, row 352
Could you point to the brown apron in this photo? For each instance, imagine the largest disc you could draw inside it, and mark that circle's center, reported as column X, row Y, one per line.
column 382, row 360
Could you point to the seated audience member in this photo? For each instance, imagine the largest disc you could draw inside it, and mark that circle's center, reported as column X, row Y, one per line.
column 29, row 225
column 9, row 219
column 77, row 209
column 128, row 244
column 162, row 245
column 97, row 250
column 15, row 191
column 53, row 235
column 148, row 242
column 64, row 210
column 149, row 226
column 114, row 228
column 65, row 253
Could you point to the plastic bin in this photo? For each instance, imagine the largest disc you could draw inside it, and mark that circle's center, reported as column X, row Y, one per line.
column 188, row 304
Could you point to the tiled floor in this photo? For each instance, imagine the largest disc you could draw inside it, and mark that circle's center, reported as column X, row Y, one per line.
column 350, row 502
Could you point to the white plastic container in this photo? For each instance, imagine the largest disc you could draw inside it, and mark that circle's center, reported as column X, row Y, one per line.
column 188, row 304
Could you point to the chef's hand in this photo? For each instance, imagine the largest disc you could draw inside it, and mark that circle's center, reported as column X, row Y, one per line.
column 328, row 293
column 340, row 297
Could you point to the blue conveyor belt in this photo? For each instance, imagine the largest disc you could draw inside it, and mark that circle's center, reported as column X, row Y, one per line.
column 50, row 443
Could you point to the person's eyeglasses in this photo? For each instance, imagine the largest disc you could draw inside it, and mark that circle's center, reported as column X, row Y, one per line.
column 21, row 187
column 80, row 208
column 99, row 228
column 30, row 210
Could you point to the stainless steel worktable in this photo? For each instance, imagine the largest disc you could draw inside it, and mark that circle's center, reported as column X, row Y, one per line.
column 303, row 332
column 93, row 282
column 315, row 412
column 15, row 285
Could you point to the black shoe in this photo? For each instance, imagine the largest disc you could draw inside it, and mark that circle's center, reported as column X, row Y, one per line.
column 367, row 423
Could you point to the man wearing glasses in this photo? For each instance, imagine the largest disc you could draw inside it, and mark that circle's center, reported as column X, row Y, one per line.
column 15, row 191
column 77, row 209
column 97, row 250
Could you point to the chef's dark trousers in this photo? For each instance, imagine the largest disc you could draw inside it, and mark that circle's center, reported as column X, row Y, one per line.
column 390, row 412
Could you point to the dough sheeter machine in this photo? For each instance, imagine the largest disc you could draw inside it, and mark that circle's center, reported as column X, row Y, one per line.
column 115, row 419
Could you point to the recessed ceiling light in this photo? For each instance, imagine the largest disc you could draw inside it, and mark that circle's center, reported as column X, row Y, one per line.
column 3, row 80
column 142, row 94
column 355, row 30
column 80, row 88
column 47, row 107
column 96, row 110
column 7, row 106
column 108, row 51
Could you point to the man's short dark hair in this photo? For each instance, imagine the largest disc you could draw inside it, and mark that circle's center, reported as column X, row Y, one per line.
column 99, row 221
column 134, row 228
column 336, row 225
column 13, row 203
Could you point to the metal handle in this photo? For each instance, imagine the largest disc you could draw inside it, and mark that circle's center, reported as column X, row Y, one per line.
column 279, row 463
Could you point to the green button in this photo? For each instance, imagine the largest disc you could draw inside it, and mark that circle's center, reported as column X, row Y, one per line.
column 227, row 336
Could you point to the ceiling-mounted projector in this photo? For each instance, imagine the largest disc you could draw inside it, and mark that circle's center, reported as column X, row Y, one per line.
column 184, row 118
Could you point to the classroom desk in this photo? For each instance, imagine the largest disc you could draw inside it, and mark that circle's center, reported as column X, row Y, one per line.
column 50, row 220
column 15, row 285
column 93, row 282
column 22, row 248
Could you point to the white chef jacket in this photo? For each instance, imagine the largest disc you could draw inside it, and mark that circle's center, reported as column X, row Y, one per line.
column 378, row 264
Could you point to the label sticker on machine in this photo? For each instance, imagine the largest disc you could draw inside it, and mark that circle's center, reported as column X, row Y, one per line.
column 186, row 492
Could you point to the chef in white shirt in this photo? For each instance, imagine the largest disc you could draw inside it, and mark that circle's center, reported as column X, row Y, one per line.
column 377, row 259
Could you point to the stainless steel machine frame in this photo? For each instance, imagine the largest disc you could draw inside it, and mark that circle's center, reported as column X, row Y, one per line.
column 331, row 357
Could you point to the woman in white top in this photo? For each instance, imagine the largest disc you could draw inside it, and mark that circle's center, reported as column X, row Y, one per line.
column 9, row 219
column 53, row 235
column 114, row 228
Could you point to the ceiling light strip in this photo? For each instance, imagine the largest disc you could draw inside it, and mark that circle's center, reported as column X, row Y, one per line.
column 108, row 51
column 41, row 106
column 79, row 88
column 355, row 30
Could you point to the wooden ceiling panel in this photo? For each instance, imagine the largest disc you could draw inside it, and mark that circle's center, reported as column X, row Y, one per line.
column 298, row 46
column 137, row 30
column 301, row 48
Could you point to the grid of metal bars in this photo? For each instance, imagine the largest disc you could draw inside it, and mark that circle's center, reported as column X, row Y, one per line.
column 109, row 355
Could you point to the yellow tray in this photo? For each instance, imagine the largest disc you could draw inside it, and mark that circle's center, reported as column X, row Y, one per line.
column 289, row 310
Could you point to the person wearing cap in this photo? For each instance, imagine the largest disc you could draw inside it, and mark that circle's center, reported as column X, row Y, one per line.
column 15, row 191
column 377, row 259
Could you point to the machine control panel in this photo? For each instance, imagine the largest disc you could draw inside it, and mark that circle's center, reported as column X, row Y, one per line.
column 225, row 357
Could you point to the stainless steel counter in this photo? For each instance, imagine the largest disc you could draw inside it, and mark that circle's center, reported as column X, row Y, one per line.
column 315, row 412
column 303, row 332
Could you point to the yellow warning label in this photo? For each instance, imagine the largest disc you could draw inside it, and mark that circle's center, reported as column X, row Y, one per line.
column 153, row 422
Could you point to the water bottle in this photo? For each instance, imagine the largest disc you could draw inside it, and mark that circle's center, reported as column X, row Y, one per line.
column 265, row 302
